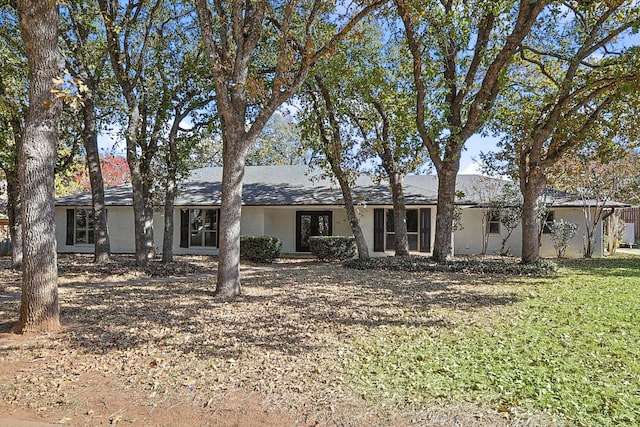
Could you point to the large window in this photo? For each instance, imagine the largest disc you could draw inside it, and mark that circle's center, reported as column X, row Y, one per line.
column 412, row 230
column 80, row 227
column 199, row 227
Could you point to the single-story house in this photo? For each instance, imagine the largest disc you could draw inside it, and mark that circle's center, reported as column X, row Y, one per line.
column 292, row 203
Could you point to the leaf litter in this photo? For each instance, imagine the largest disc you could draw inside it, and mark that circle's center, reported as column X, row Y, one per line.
column 154, row 347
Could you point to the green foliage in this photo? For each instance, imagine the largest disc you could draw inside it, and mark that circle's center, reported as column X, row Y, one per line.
column 263, row 249
column 566, row 348
column 476, row 266
column 561, row 232
column 332, row 248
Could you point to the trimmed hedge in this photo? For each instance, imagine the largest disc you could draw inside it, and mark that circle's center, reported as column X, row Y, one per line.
column 464, row 265
column 263, row 249
column 332, row 248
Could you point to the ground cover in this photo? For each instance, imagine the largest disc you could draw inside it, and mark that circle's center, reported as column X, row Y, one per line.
column 568, row 347
column 312, row 343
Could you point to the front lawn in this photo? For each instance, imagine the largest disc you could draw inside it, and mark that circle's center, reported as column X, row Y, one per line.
column 568, row 347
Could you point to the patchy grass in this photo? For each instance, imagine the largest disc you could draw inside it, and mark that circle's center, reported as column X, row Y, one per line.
column 568, row 347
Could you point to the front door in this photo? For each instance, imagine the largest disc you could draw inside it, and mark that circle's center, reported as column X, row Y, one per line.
column 311, row 223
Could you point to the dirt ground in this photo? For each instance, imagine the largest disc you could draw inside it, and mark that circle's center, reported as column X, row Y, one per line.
column 155, row 348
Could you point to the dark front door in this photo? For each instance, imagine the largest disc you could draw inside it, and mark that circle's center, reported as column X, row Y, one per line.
column 311, row 223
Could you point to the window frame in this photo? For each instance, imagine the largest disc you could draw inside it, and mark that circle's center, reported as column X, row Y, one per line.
column 493, row 225
column 389, row 230
column 88, row 228
column 203, row 230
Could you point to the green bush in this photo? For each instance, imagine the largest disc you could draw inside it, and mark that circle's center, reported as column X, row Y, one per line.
column 331, row 248
column 260, row 248
column 463, row 265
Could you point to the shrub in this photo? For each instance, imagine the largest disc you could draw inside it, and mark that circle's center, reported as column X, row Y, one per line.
column 330, row 248
column 463, row 265
column 260, row 248
column 561, row 233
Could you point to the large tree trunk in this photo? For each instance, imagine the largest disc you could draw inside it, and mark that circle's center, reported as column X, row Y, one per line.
column 447, row 175
column 39, row 310
column 228, row 284
column 531, row 187
column 143, row 223
column 399, row 215
column 102, row 246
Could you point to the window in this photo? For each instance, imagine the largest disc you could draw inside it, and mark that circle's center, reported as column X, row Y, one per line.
column 494, row 224
column 412, row 230
column 198, row 227
column 418, row 230
column 548, row 222
column 80, row 227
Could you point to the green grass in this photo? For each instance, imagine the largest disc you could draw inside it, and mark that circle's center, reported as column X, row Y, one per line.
column 569, row 347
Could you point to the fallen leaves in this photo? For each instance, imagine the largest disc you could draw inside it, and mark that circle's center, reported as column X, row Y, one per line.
column 160, row 332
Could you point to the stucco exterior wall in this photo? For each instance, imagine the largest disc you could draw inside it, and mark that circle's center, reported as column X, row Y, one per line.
column 281, row 222
column 119, row 222
column 468, row 241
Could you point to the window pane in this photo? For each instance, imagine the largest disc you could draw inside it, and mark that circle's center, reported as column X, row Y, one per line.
column 494, row 227
column 413, row 242
column 81, row 218
column 390, row 224
column 210, row 239
column 210, row 219
column 412, row 221
column 391, row 241
column 196, row 238
column 323, row 225
column 90, row 236
column 81, row 236
column 196, row 220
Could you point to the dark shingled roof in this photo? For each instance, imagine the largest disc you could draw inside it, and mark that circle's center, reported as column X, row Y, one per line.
column 297, row 185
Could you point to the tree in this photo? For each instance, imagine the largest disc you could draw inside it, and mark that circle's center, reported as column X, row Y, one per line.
column 13, row 109
column 260, row 54
column 597, row 179
column 39, row 309
column 278, row 144
column 131, row 30
column 567, row 80
column 323, row 132
column 459, row 51
column 86, row 61
column 507, row 208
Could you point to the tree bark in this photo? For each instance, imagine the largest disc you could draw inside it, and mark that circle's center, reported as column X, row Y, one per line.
column 447, row 175
column 228, row 282
column 350, row 209
column 531, row 186
column 399, row 215
column 39, row 309
column 169, row 203
column 102, row 246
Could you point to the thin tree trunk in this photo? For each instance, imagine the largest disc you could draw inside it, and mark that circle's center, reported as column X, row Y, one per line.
column 15, row 222
column 39, row 309
column 167, row 240
column 102, row 246
column 352, row 215
column 446, row 209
